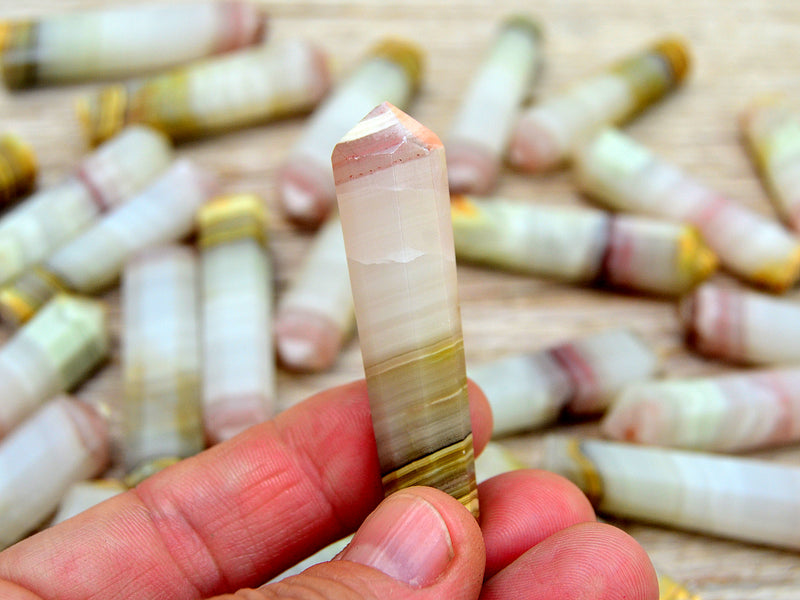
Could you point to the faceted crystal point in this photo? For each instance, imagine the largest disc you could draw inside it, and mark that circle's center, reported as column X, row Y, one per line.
column 394, row 204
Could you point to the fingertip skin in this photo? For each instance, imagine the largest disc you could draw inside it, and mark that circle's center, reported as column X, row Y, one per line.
column 587, row 560
column 481, row 415
column 522, row 508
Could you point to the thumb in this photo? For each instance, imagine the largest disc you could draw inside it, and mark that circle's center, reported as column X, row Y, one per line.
column 419, row 543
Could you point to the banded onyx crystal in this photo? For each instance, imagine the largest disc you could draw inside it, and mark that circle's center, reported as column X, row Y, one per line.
column 162, row 213
column 581, row 246
column 725, row 413
column 104, row 179
column 737, row 498
column 742, row 326
column 771, row 127
column 237, row 90
column 581, row 376
column 17, row 168
column 62, row 443
column 122, row 41
column 162, row 409
column 315, row 315
column 624, row 175
column 236, row 307
column 391, row 184
column 547, row 133
column 53, row 353
column 483, row 123
column 390, row 72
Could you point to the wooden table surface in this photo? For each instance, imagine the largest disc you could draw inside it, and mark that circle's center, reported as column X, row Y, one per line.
column 741, row 48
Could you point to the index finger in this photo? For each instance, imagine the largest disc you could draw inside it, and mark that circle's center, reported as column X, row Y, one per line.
column 233, row 516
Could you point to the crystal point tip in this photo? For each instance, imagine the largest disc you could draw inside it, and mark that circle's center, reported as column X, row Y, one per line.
column 389, row 136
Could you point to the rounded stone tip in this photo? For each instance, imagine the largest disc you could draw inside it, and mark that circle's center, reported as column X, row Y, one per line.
column 242, row 24
column 524, row 22
column 406, row 54
column 306, row 193
column 306, row 342
column 676, row 51
column 632, row 423
column 470, row 169
column 533, row 148
column 91, row 427
column 15, row 309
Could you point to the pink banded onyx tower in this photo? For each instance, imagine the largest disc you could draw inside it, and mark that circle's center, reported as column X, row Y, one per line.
column 315, row 315
column 581, row 246
column 727, row 413
column 742, row 326
column 126, row 41
column 737, row 498
column 238, row 361
column 62, row 443
column 103, row 180
column 547, row 133
column 391, row 183
column 215, row 95
column 391, row 72
column 483, row 124
column 582, row 376
column 91, row 262
column 623, row 175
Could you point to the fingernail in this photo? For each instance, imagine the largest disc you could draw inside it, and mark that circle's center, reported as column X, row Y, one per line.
column 405, row 538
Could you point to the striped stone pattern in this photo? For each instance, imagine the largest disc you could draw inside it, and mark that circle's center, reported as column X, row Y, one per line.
column 625, row 176
column 162, row 408
column 391, row 184
column 482, row 127
column 547, row 133
column 63, row 443
column 18, row 168
column 581, row 246
column 54, row 352
column 219, row 94
column 118, row 42
column 741, row 326
column 236, row 307
column 728, row 413
column 390, row 72
column 530, row 390
column 315, row 316
column 771, row 129
column 731, row 497
column 114, row 172
column 162, row 213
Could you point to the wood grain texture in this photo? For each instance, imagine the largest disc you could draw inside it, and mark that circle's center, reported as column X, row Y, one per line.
column 741, row 48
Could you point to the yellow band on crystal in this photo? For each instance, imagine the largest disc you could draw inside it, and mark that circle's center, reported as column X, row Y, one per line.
column 449, row 469
column 231, row 218
column 407, row 55
column 592, row 482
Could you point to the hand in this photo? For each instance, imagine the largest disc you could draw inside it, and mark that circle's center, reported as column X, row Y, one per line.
column 246, row 510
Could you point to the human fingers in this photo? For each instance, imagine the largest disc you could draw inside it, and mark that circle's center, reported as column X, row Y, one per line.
column 418, row 544
column 233, row 516
column 521, row 508
column 588, row 560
